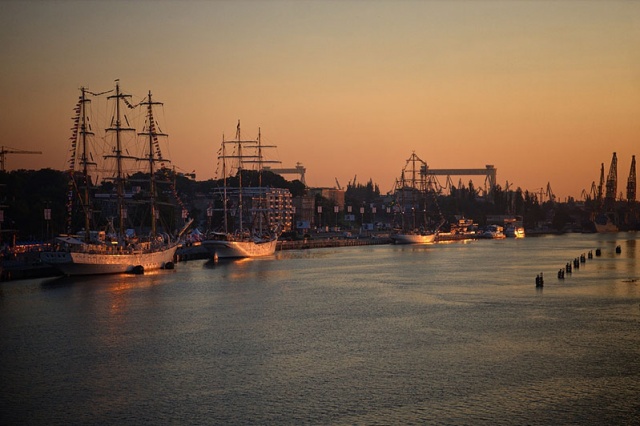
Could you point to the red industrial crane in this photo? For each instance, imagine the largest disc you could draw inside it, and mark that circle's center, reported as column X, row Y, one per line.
column 6, row 150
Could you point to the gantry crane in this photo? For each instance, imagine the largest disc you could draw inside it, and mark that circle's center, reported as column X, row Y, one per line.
column 6, row 150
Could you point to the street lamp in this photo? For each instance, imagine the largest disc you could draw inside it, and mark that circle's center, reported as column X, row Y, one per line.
column 47, row 218
column 209, row 214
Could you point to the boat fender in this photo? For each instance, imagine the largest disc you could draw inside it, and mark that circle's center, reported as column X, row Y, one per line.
column 169, row 265
column 618, row 249
column 138, row 270
column 598, row 252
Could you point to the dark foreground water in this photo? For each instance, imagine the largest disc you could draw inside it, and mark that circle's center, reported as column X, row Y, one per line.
column 445, row 334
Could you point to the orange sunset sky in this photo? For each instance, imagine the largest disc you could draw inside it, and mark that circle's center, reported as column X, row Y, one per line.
column 544, row 90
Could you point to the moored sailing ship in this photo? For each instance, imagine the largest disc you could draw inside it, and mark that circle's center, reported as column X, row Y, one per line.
column 411, row 193
column 112, row 249
column 253, row 241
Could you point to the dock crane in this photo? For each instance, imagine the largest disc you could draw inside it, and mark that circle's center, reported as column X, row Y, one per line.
column 6, row 150
column 612, row 184
column 600, row 193
column 550, row 195
column 631, row 182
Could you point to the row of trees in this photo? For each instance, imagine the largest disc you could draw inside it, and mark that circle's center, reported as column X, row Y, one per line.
column 25, row 194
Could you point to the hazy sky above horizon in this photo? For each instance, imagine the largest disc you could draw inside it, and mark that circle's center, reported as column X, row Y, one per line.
column 545, row 91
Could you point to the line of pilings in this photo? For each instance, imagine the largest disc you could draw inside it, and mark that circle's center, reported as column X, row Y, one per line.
column 572, row 265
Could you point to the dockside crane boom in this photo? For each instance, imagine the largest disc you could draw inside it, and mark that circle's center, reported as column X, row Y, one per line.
column 612, row 184
column 600, row 196
column 6, row 150
column 550, row 195
column 631, row 182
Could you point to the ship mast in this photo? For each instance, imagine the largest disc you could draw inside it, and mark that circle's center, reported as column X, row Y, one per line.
column 241, row 160
column 152, row 135
column 117, row 154
column 84, row 132
column 240, row 206
column 224, row 186
column 261, row 162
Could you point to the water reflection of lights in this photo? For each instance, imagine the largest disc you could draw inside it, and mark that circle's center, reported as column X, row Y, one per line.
column 122, row 285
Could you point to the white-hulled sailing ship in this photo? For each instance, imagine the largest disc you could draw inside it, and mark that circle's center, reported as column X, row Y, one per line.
column 114, row 249
column 411, row 193
column 242, row 242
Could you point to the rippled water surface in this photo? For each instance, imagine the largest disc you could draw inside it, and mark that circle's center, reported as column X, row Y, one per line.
column 443, row 334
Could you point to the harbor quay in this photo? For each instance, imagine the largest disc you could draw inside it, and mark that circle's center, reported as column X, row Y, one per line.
column 26, row 264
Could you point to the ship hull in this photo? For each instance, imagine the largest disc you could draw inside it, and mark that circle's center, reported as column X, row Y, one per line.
column 514, row 232
column 606, row 227
column 239, row 249
column 604, row 223
column 413, row 238
column 81, row 263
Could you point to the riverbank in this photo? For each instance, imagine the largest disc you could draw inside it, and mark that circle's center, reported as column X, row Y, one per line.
column 28, row 265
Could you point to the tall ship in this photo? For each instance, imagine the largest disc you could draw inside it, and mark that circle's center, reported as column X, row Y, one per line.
column 102, row 247
column 239, row 240
column 412, row 190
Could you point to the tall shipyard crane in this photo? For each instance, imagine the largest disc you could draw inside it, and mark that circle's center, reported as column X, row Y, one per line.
column 612, row 184
column 631, row 182
column 6, row 150
column 600, row 193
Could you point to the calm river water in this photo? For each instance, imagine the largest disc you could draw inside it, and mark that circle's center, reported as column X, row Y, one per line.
column 445, row 334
